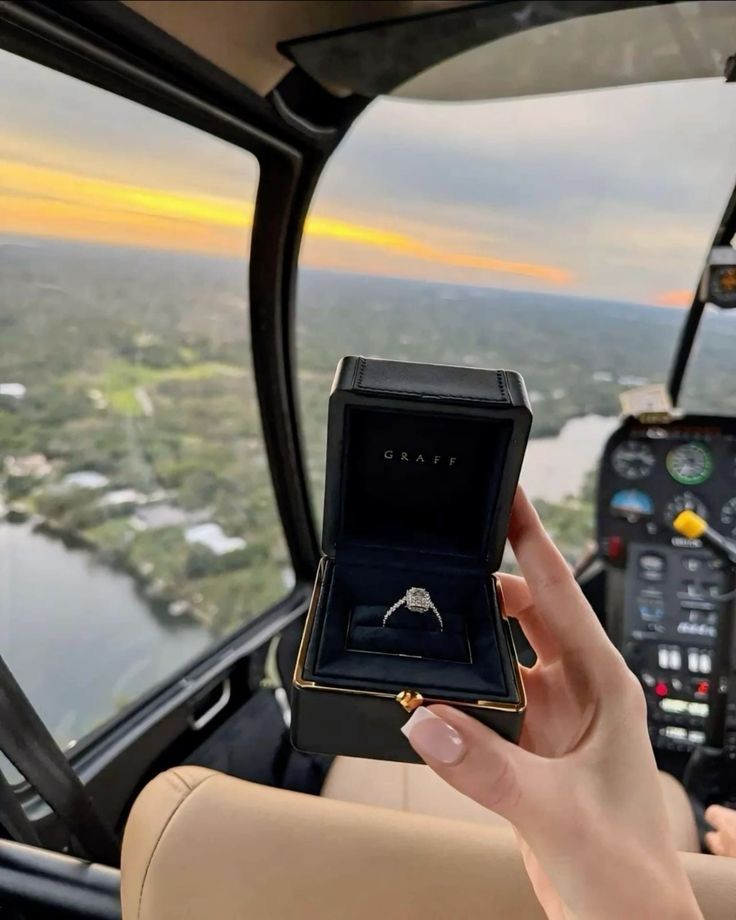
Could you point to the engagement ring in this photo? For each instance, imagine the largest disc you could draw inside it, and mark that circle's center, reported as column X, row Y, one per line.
column 417, row 600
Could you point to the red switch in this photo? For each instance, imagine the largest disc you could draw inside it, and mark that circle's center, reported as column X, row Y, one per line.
column 615, row 548
column 660, row 688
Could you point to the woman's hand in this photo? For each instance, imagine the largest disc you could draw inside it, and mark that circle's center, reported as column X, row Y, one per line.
column 581, row 789
column 722, row 839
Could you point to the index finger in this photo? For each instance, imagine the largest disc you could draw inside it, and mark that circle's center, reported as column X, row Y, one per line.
column 557, row 597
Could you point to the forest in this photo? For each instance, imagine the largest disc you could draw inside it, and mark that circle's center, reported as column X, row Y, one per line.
column 135, row 366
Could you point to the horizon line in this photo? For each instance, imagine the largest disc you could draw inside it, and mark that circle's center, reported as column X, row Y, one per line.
column 18, row 238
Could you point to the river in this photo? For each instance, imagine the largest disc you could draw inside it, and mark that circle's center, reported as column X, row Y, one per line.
column 78, row 636
column 83, row 643
column 555, row 468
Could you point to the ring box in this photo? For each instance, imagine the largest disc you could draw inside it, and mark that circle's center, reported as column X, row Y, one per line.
column 422, row 466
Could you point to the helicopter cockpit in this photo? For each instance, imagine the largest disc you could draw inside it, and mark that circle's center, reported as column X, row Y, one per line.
column 668, row 595
column 207, row 205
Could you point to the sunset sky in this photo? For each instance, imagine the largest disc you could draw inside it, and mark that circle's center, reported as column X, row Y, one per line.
column 612, row 193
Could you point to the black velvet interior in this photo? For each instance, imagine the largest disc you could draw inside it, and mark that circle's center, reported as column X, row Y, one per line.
column 415, row 635
column 350, row 648
column 421, row 481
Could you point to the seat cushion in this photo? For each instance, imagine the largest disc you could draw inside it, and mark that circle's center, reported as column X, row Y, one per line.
column 404, row 787
column 415, row 788
column 199, row 844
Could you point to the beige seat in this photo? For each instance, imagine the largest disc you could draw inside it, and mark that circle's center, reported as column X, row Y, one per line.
column 203, row 845
column 415, row 788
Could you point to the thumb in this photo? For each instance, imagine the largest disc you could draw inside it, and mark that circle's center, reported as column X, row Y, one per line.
column 476, row 761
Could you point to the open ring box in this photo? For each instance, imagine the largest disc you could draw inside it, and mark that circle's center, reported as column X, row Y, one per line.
column 422, row 466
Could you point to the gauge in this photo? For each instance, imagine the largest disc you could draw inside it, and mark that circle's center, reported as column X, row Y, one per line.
column 632, row 504
column 685, row 502
column 722, row 285
column 728, row 516
column 633, row 460
column 690, row 464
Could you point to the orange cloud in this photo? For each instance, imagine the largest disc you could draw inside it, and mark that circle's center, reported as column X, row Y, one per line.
column 406, row 245
column 38, row 200
column 681, row 297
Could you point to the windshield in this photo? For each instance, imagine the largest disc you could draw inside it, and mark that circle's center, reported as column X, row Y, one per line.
column 559, row 236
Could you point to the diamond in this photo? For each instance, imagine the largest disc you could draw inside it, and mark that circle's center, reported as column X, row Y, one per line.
column 418, row 600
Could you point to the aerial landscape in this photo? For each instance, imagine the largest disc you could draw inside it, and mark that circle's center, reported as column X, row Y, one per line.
column 133, row 478
column 129, row 420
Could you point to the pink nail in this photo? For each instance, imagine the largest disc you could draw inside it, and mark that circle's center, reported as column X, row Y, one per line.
column 434, row 739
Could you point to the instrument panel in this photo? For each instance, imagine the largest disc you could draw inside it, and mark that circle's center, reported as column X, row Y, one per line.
column 669, row 597
column 650, row 473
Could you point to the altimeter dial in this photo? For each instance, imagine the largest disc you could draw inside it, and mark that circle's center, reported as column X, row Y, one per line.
column 633, row 460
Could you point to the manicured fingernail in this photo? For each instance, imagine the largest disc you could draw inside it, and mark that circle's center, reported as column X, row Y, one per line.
column 434, row 739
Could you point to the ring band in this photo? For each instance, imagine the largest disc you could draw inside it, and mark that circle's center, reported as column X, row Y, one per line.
column 418, row 601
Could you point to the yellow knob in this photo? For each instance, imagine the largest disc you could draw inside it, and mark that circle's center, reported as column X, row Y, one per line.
column 689, row 524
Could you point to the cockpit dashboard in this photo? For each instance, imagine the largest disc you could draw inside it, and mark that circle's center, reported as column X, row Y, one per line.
column 669, row 598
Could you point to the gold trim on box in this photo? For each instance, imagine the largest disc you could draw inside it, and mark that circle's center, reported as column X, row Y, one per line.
column 475, row 704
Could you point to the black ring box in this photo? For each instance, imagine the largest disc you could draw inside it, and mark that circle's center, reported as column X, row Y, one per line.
column 422, row 466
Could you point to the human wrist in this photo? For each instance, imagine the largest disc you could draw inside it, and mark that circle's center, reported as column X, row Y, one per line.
column 614, row 885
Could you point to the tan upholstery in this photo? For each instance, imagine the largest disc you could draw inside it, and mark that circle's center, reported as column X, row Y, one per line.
column 415, row 788
column 403, row 786
column 203, row 845
column 680, row 814
column 241, row 36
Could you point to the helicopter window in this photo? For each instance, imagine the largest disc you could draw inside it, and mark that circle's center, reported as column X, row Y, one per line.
column 544, row 234
column 138, row 523
column 708, row 383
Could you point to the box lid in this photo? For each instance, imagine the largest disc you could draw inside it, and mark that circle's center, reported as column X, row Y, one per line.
column 423, row 459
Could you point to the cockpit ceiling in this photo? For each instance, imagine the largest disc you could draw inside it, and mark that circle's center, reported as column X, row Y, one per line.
column 241, row 36
column 444, row 50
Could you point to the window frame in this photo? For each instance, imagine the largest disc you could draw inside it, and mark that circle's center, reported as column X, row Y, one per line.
column 168, row 78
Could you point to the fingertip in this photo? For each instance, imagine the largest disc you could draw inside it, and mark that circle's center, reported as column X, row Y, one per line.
column 434, row 738
column 713, row 842
column 714, row 814
column 461, row 721
column 517, row 598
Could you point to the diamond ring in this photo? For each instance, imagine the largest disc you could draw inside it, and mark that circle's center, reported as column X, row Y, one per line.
column 417, row 600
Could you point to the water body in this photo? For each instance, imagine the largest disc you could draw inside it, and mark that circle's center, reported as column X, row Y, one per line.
column 555, row 468
column 83, row 643
column 78, row 636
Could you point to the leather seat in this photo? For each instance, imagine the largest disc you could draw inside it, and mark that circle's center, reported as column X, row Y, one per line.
column 203, row 845
column 415, row 788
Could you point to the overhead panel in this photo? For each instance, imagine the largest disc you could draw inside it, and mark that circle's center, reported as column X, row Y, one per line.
column 241, row 36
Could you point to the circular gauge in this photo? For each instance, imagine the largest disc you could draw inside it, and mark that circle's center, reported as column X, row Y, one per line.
column 690, row 464
column 728, row 516
column 685, row 502
column 633, row 460
column 632, row 505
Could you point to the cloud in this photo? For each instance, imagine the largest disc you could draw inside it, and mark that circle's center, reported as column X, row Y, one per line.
column 82, row 207
column 676, row 298
column 613, row 193
column 400, row 243
column 622, row 186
